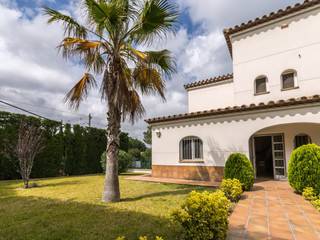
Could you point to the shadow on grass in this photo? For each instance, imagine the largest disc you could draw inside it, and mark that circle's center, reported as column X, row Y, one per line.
column 40, row 218
column 65, row 183
column 157, row 194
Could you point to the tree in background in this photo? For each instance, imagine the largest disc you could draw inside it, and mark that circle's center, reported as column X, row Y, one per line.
column 147, row 136
column 147, row 154
column 30, row 143
column 108, row 44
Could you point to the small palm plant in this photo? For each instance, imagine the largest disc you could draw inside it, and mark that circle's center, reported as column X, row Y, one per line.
column 108, row 44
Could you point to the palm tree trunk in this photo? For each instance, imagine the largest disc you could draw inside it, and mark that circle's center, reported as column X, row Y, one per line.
column 111, row 186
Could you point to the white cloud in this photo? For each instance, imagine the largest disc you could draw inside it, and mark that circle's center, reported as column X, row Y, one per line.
column 33, row 75
column 225, row 13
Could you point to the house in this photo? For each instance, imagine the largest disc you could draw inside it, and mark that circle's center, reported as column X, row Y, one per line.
column 265, row 109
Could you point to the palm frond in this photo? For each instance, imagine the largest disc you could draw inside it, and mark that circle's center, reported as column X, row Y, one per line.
column 80, row 90
column 88, row 51
column 71, row 26
column 163, row 61
column 109, row 15
column 156, row 19
column 148, row 80
column 132, row 106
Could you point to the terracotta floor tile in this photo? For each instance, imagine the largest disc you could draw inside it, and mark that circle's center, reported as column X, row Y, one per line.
column 274, row 211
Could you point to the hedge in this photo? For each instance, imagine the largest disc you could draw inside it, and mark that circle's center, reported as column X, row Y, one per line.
column 69, row 150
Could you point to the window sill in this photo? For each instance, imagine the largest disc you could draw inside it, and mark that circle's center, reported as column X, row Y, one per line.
column 263, row 93
column 191, row 161
column 287, row 89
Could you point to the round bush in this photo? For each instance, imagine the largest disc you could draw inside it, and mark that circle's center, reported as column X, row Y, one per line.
column 124, row 160
column 239, row 167
column 203, row 216
column 232, row 188
column 304, row 168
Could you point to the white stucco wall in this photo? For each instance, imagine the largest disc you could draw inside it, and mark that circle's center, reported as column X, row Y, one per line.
column 269, row 51
column 211, row 97
column 225, row 135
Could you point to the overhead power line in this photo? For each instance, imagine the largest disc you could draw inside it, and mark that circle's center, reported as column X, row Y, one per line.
column 40, row 116
column 49, row 109
column 24, row 110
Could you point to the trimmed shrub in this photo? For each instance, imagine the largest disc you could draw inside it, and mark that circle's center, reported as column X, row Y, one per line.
column 309, row 194
column 316, row 204
column 204, row 215
column 124, row 160
column 304, row 168
column 238, row 166
column 232, row 189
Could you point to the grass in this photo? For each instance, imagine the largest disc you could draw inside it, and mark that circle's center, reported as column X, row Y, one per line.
column 71, row 208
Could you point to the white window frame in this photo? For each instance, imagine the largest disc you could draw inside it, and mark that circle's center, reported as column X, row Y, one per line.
column 193, row 158
column 295, row 79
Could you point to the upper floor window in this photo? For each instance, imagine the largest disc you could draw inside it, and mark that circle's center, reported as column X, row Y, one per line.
column 301, row 139
column 191, row 149
column 260, row 85
column 289, row 80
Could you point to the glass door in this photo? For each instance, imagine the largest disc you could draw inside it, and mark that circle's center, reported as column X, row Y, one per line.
column 279, row 161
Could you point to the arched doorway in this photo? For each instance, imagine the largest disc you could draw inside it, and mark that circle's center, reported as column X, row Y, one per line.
column 271, row 147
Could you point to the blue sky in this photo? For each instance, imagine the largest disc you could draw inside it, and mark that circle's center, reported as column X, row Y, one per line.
column 35, row 77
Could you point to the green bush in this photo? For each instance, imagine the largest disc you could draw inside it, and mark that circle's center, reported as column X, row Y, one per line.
column 304, row 168
column 124, row 160
column 316, row 204
column 232, row 188
column 309, row 194
column 204, row 215
column 239, row 167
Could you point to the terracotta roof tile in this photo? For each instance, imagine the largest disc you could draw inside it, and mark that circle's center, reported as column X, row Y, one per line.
column 234, row 109
column 209, row 81
column 266, row 18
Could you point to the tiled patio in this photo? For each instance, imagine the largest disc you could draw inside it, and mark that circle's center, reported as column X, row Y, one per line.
column 273, row 211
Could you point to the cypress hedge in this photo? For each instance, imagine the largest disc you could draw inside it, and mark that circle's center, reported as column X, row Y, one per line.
column 69, row 150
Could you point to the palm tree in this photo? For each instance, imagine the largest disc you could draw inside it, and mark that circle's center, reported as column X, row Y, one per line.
column 107, row 44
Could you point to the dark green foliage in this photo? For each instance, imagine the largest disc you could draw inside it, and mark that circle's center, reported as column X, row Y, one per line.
column 239, row 167
column 304, row 168
column 146, row 159
column 147, row 136
column 69, row 150
column 135, row 153
column 124, row 141
column 136, row 143
column 124, row 160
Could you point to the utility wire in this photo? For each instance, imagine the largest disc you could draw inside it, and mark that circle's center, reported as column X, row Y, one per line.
column 47, row 108
column 33, row 113
column 24, row 110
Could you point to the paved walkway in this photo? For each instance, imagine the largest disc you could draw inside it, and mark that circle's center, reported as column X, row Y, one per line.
column 273, row 211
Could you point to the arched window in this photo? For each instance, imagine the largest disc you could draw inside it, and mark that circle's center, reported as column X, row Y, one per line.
column 301, row 139
column 289, row 80
column 191, row 148
column 260, row 85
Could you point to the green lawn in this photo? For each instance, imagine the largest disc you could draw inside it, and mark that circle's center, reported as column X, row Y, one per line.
column 71, row 208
